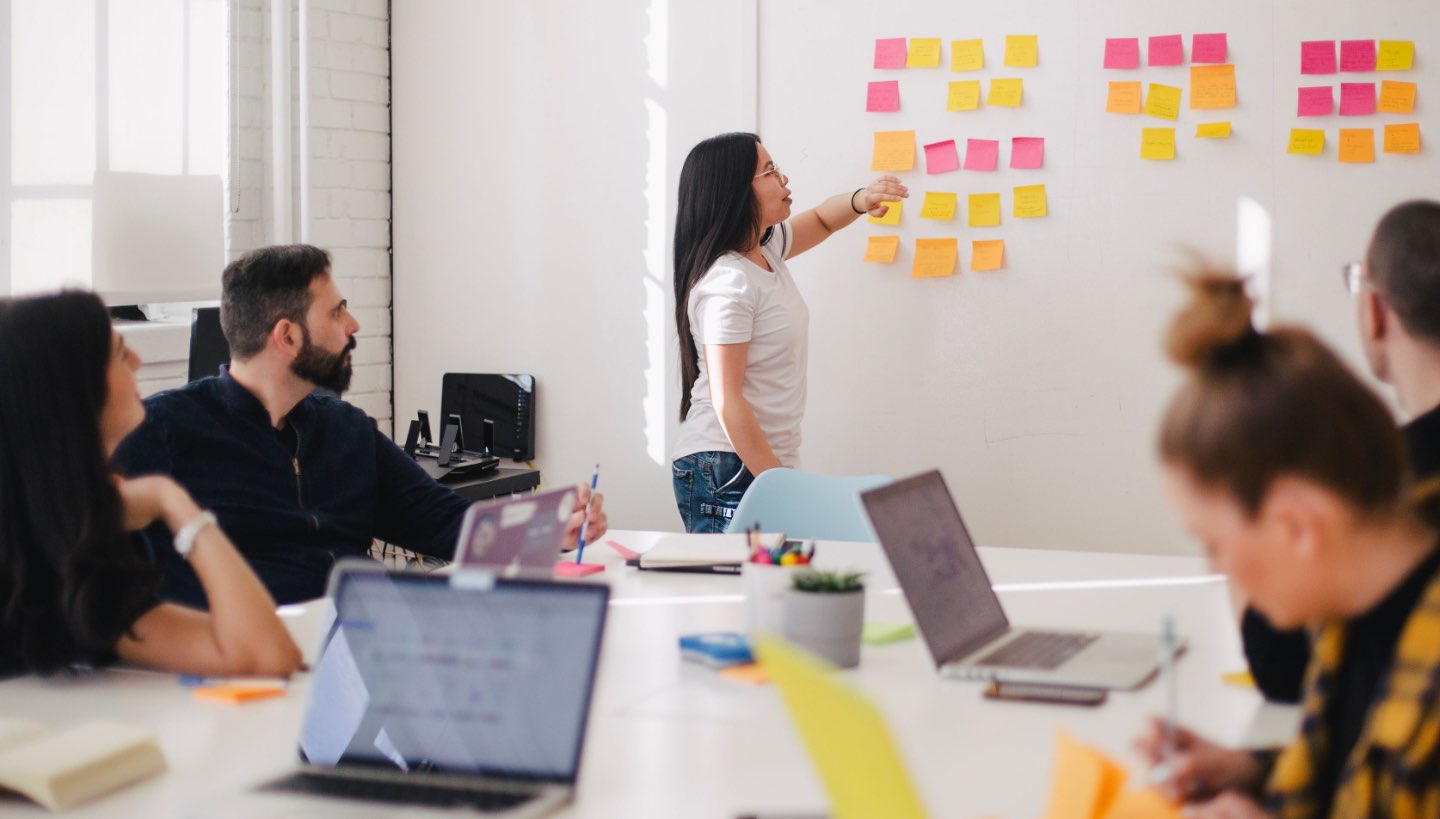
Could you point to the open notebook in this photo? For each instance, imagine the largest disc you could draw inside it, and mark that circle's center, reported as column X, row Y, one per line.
column 62, row 769
column 701, row 553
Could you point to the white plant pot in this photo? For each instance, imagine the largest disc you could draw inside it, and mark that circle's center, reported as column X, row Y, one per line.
column 765, row 589
column 827, row 624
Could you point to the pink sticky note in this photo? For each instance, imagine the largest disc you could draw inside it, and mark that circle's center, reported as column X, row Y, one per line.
column 1167, row 50
column 1027, row 152
column 1317, row 57
column 883, row 96
column 1208, row 48
column 1357, row 99
column 622, row 550
column 1122, row 52
column 940, row 157
column 890, row 53
column 1316, row 101
column 569, row 568
column 1357, row 55
column 982, row 154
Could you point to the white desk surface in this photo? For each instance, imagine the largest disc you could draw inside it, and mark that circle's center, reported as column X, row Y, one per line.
column 670, row 739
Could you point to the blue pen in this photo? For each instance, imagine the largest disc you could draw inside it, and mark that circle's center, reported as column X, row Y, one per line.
column 594, row 479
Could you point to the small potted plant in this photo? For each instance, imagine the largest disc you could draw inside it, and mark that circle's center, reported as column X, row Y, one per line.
column 825, row 613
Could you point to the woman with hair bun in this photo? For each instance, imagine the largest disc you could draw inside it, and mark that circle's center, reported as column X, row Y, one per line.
column 1292, row 475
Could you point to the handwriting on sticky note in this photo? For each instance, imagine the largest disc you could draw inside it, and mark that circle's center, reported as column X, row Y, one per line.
column 1213, row 130
column 883, row 96
column 935, row 257
column 1122, row 52
column 1212, row 86
column 1357, row 99
column 940, row 157
column 981, row 154
column 1157, row 143
column 1396, row 97
column 890, row 52
column 1208, row 48
column 1357, row 145
column 892, row 214
column 1162, row 101
column 938, row 205
column 1357, row 55
column 1124, row 98
column 987, row 254
column 1395, row 55
column 1030, row 202
column 1403, row 138
column 1306, row 141
column 1027, row 152
column 924, row 53
column 1317, row 57
column 1005, row 93
column 964, row 96
column 1167, row 50
column 882, row 248
column 1315, row 101
column 984, row 209
column 1022, row 50
column 967, row 55
column 894, row 151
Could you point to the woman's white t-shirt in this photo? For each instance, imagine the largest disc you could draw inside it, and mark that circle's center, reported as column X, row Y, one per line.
column 738, row 301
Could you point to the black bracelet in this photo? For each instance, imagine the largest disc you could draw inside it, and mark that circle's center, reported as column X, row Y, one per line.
column 852, row 201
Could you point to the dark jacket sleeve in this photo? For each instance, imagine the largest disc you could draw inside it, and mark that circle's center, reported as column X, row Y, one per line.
column 415, row 512
column 1277, row 658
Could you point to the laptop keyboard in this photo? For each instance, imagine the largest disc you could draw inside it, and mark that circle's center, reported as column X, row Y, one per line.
column 1038, row 649
column 405, row 793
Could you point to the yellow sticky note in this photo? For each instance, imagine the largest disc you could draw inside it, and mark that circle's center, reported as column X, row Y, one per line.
column 1144, row 804
column 984, row 209
column 1306, row 141
column 882, row 248
column 1403, row 138
column 894, row 151
column 987, row 254
column 924, row 53
column 1243, row 679
column 935, row 257
column 1124, row 98
column 1395, row 55
column 967, row 55
column 1213, row 130
column 964, row 96
column 1022, row 51
column 1005, row 93
column 1212, row 86
column 1085, row 782
column 938, row 206
column 891, row 217
column 1163, row 101
column 1157, row 143
column 1030, row 201
column 1357, row 145
column 1396, row 97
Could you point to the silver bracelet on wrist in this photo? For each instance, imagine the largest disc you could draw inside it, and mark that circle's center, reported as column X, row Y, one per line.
column 185, row 538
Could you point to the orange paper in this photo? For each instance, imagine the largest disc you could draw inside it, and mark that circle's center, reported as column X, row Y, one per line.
column 1403, row 138
column 935, row 257
column 1146, row 804
column 1085, row 781
column 894, row 151
column 1357, row 145
column 1124, row 98
column 882, row 248
column 1396, row 97
column 237, row 694
column 1212, row 86
column 752, row 673
column 987, row 254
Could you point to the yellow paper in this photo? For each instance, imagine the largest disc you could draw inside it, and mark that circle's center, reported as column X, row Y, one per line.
column 1084, row 783
column 882, row 248
column 1395, row 55
column 984, row 209
column 1021, row 51
column 894, row 151
column 1306, row 141
column 1029, row 201
column 1396, row 97
column 935, row 257
column 1005, row 93
column 967, row 55
column 1357, row 145
column 1212, row 86
column 987, row 254
column 1144, row 804
column 924, row 53
column 1213, row 130
column 1403, row 138
column 1157, row 143
column 1124, row 98
column 891, row 217
column 938, row 206
column 964, row 96
column 846, row 736
column 1163, row 101
column 1243, row 679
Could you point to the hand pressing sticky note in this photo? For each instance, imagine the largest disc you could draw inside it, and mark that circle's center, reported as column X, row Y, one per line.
column 1357, row 55
column 935, row 257
column 1022, row 51
column 882, row 248
column 1212, row 86
column 924, row 53
column 891, row 217
column 984, row 209
column 1124, row 98
column 1317, row 57
column 1122, row 52
column 1306, row 141
column 1357, row 99
column 1403, row 138
column 941, row 157
column 1208, row 48
column 1315, row 101
column 1395, row 55
column 1162, row 101
column 883, row 96
column 894, row 151
column 1027, row 152
column 982, row 154
column 1396, row 97
column 890, row 52
column 938, row 205
column 964, row 96
column 1157, row 143
column 967, row 55
column 1030, row 202
column 987, row 254
column 1167, row 50
column 1005, row 93
column 1357, row 145
column 1213, row 130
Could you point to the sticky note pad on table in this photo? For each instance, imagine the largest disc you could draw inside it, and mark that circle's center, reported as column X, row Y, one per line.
column 1403, row 138
column 1208, row 48
column 940, row 157
column 879, row 634
column 924, row 53
column 238, row 693
column 883, row 96
column 935, row 257
column 1317, row 57
column 1306, row 141
column 1124, row 98
column 752, row 673
column 569, row 568
column 1122, row 52
column 1212, row 86
column 1357, row 55
column 981, row 154
column 1357, row 145
column 1315, row 101
column 1395, row 55
column 1147, row 803
column 1157, row 143
column 894, row 151
column 1396, row 97
column 1030, row 201
column 1162, row 101
column 890, row 52
column 1005, row 93
column 985, row 254
column 1357, row 99
column 892, row 214
column 964, row 96
column 938, row 205
column 1084, row 782
column 1167, row 50
column 1027, row 152
column 1022, row 51
column 984, row 209
column 881, row 248
column 1213, row 130
column 967, row 55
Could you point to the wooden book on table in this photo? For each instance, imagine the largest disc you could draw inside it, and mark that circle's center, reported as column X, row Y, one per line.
column 62, row 769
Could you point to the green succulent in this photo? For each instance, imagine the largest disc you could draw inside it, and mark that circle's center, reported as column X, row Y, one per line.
column 823, row 582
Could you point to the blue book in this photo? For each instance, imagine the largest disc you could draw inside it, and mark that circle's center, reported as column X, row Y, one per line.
column 718, row 649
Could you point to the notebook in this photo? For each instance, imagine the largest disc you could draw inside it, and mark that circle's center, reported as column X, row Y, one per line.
column 62, row 769
column 521, row 533
column 722, row 553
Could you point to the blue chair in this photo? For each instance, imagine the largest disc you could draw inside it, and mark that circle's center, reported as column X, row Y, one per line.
column 807, row 505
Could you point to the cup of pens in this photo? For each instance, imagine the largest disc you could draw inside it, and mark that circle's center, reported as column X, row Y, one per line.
column 767, row 576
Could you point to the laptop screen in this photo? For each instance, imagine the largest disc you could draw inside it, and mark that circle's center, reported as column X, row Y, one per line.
column 935, row 561
column 430, row 673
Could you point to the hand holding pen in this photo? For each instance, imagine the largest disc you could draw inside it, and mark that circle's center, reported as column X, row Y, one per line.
column 585, row 521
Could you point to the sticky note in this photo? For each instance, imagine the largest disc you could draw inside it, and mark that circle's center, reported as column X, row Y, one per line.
column 1357, row 55
column 1167, row 50
column 964, row 96
column 883, row 96
column 981, row 154
column 1005, row 93
column 890, row 52
column 1022, row 51
column 1213, row 130
column 938, row 205
column 1142, row 804
column 1315, row 101
column 1208, row 48
column 1396, row 97
column 1030, row 202
column 1122, row 52
column 935, row 257
column 569, row 568
column 1027, row 152
column 1157, row 143
column 940, row 157
column 236, row 694
column 1124, row 98
column 1212, row 86
column 1317, row 57
column 752, row 673
column 1243, row 679
column 1162, row 101
column 924, row 53
column 882, row 248
column 1395, row 55
column 984, row 209
column 967, row 55
column 894, row 151
column 1403, row 138
column 1084, row 782
column 1306, row 141
column 891, row 217
column 1357, row 99
column 1357, row 145
column 987, row 254
column 876, row 633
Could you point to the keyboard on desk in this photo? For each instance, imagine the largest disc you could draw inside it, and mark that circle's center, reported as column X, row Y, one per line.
column 1038, row 649
column 399, row 792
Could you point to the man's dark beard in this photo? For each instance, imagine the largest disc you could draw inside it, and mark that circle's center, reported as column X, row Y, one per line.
column 332, row 372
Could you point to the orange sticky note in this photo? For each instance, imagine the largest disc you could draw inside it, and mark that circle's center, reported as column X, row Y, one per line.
column 1005, row 93
column 1143, row 804
column 1357, row 145
column 935, row 257
column 1162, row 101
column 924, row 53
column 964, row 96
column 1030, row 201
column 1403, row 138
column 882, row 248
column 236, row 694
column 1396, row 97
column 1306, row 141
column 894, row 151
column 967, row 55
column 1157, row 143
column 752, row 673
column 984, row 209
column 1085, row 782
column 1212, row 86
column 987, row 254
column 1124, row 98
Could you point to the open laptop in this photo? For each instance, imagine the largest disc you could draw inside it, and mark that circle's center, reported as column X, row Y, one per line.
column 959, row 615
column 522, row 533
column 448, row 691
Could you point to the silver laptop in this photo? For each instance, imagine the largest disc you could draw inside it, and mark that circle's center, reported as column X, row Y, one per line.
column 959, row 615
column 451, row 691
column 519, row 534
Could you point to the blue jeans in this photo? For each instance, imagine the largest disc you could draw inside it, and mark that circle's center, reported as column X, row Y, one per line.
column 708, row 487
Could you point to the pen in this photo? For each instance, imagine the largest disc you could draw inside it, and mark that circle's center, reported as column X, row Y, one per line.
column 1168, row 644
column 594, row 479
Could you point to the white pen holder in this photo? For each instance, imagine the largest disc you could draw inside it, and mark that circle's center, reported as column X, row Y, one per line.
column 765, row 588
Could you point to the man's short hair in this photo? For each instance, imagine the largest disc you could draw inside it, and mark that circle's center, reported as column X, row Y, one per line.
column 1404, row 265
column 264, row 286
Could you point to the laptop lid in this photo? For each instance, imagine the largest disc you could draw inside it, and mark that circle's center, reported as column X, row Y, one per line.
column 522, row 531
column 919, row 526
column 464, row 674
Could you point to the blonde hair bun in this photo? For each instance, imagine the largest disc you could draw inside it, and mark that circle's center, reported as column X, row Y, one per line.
column 1216, row 320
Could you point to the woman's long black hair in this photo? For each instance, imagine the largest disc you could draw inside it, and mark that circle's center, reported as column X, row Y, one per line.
column 716, row 213
column 71, row 583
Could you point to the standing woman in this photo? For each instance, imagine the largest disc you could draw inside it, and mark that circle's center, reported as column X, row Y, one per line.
column 75, row 587
column 742, row 323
